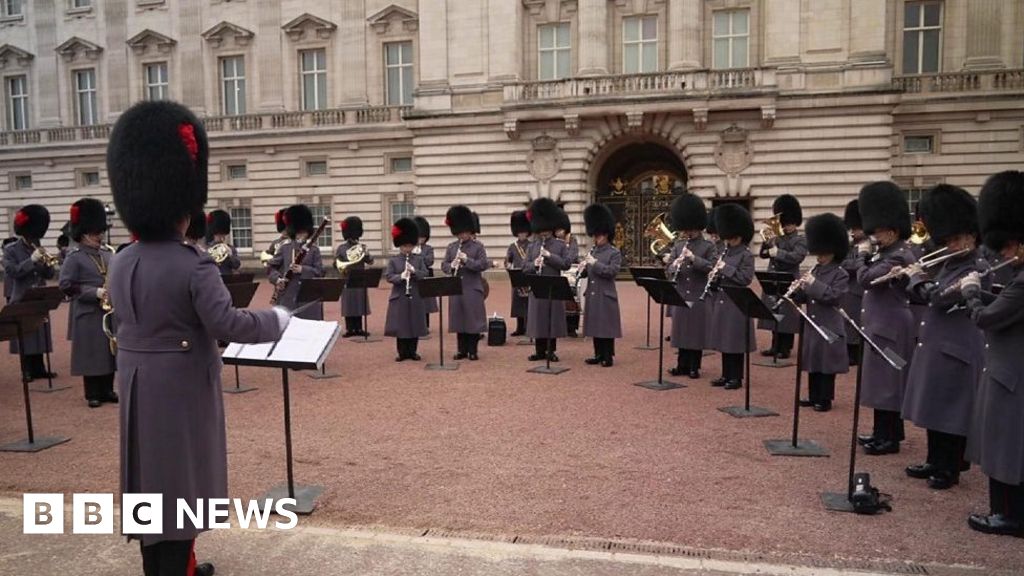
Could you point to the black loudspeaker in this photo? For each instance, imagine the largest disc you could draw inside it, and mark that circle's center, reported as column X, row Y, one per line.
column 496, row 331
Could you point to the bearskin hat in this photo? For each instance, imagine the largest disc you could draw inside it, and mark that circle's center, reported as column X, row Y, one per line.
column 544, row 215
column 279, row 220
column 826, row 234
column 599, row 219
column 405, row 231
column 519, row 223
column 1001, row 209
column 948, row 210
column 788, row 209
column 32, row 221
column 424, row 228
column 196, row 226
column 851, row 216
column 563, row 221
column 732, row 221
column 352, row 228
column 218, row 222
column 884, row 206
column 459, row 219
column 688, row 213
column 63, row 241
column 476, row 223
column 88, row 216
column 157, row 163
column 712, row 228
column 298, row 218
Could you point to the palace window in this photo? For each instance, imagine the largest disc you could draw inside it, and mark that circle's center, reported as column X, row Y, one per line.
column 639, row 44
column 237, row 171
column 78, row 4
column 402, row 209
column 89, row 178
column 922, row 37
column 86, row 110
column 12, row 8
column 731, row 38
column 399, row 164
column 919, row 144
column 241, row 226
column 232, row 77
column 320, row 211
column 913, row 197
column 157, row 85
column 315, row 167
column 16, row 88
column 22, row 181
column 398, row 67
column 314, row 79
column 554, row 46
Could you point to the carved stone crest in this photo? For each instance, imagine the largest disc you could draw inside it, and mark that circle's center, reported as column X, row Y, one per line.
column 544, row 160
column 733, row 153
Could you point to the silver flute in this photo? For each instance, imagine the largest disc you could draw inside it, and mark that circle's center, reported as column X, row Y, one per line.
column 955, row 287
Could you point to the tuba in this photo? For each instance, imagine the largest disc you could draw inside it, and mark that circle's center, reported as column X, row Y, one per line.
column 772, row 228
column 219, row 252
column 662, row 235
column 919, row 233
column 354, row 255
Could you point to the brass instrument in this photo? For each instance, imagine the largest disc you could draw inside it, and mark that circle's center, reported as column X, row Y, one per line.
column 712, row 276
column 772, row 228
column 927, row 261
column 108, row 311
column 663, row 236
column 521, row 292
column 354, row 255
column 48, row 259
column 919, row 233
column 219, row 252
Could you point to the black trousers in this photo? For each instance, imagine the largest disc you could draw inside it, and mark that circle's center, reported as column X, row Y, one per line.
column 541, row 345
column 98, row 387
column 407, row 347
column 732, row 366
column 33, row 365
column 353, row 323
column 468, row 343
column 520, row 325
column 1006, row 499
column 946, row 451
column 853, row 351
column 604, row 348
column 169, row 558
column 888, row 426
column 572, row 321
column 821, row 388
column 782, row 343
column 687, row 360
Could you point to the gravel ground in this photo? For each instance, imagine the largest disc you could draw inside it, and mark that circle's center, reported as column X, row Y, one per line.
column 492, row 449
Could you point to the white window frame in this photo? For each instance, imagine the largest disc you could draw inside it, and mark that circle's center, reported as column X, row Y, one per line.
column 6, row 12
column 241, row 227
column 82, row 177
column 919, row 28
column 320, row 211
column 401, row 66
column 85, row 116
column 233, row 86
column 730, row 38
column 17, row 102
column 558, row 50
column 162, row 85
column 405, row 201
column 228, row 166
column 641, row 42
column 397, row 157
column 319, row 75
column 16, row 176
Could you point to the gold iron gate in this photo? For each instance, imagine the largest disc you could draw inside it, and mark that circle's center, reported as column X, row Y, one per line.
column 635, row 204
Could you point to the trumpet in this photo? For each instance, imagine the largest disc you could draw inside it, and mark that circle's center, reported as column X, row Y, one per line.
column 956, row 287
column 50, row 260
column 772, row 228
column 927, row 261
column 712, row 276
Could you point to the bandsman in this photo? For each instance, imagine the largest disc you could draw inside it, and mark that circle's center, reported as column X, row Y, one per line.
column 564, row 233
column 218, row 229
column 854, row 296
column 603, row 322
column 886, row 316
column 406, row 318
column 784, row 254
column 83, row 279
column 466, row 258
column 355, row 302
column 950, row 350
column 515, row 258
column 299, row 227
column 282, row 237
column 733, row 335
column 547, row 256
column 709, row 302
column 424, row 249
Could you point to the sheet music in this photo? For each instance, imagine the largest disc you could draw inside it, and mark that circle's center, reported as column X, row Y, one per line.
column 303, row 340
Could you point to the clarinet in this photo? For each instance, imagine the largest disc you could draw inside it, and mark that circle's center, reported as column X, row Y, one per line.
column 676, row 267
column 298, row 257
column 408, row 279
column 540, row 267
column 457, row 263
column 712, row 276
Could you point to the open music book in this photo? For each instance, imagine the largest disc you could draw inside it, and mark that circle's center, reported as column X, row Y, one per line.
column 304, row 342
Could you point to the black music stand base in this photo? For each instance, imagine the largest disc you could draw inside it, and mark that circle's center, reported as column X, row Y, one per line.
column 48, row 388
column 322, row 374
column 806, row 448
column 446, row 366
column 41, row 443
column 553, row 370
column 836, row 502
column 773, row 362
column 743, row 412
column 238, row 389
column 305, row 497
column 660, row 386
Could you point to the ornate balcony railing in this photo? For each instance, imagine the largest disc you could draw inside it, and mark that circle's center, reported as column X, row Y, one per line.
column 952, row 82
column 691, row 82
column 223, row 124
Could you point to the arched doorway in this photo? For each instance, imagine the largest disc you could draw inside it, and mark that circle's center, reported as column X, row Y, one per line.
column 638, row 181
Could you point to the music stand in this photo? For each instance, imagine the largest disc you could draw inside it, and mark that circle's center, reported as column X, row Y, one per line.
column 794, row 446
column 439, row 287
column 364, row 278
column 774, row 284
column 842, row 501
column 320, row 290
column 15, row 320
column 305, row 496
column 657, row 273
column 553, row 288
column 239, row 278
column 753, row 308
column 53, row 296
column 518, row 280
column 241, row 297
column 665, row 294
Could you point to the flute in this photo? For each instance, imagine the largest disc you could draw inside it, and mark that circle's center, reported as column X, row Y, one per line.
column 927, row 261
column 953, row 289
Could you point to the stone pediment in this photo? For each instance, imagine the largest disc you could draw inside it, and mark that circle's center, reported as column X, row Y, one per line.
column 297, row 28
column 381, row 21
column 141, row 42
column 225, row 31
column 14, row 55
column 74, row 47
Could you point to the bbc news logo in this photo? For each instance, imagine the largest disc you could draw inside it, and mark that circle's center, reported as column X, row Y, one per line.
column 144, row 513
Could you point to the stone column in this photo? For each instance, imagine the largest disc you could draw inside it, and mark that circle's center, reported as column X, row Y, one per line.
column 593, row 37
column 350, row 67
column 867, row 30
column 115, row 59
column 189, row 52
column 505, row 39
column 433, row 92
column 984, row 34
column 684, row 34
column 45, row 67
column 268, row 53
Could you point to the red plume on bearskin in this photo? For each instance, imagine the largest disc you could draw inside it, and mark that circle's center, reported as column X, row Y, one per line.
column 209, row 218
column 395, row 232
column 76, row 214
column 187, row 133
column 20, row 219
column 343, row 225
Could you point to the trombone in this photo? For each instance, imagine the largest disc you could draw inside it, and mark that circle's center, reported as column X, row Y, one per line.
column 927, row 261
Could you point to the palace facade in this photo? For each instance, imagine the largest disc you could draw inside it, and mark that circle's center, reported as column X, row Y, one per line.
column 382, row 108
